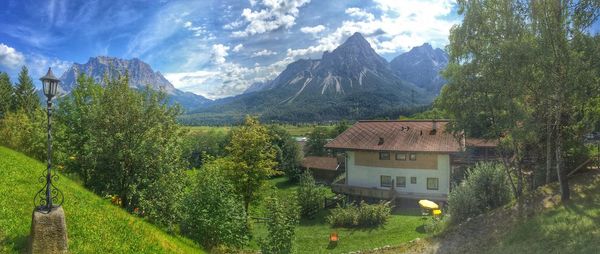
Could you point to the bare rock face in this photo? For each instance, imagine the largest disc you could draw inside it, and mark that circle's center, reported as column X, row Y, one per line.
column 48, row 232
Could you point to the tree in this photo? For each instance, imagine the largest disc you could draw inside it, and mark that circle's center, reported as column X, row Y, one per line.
column 339, row 127
column 309, row 195
column 281, row 227
column 26, row 99
column 213, row 213
column 510, row 65
column 253, row 156
column 6, row 94
column 127, row 141
column 79, row 115
column 316, row 141
column 288, row 152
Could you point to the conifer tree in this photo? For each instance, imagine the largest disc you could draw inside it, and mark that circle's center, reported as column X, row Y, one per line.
column 6, row 94
column 26, row 98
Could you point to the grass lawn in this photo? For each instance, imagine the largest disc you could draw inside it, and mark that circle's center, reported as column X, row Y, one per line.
column 296, row 131
column 312, row 236
column 94, row 225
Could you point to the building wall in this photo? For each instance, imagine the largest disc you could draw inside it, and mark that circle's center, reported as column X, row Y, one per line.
column 362, row 175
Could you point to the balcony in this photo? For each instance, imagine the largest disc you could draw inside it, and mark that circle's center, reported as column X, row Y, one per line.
column 384, row 194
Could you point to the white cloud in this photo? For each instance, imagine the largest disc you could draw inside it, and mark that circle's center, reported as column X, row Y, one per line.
column 264, row 52
column 238, row 47
column 219, row 53
column 10, row 58
column 187, row 24
column 275, row 14
column 401, row 26
column 312, row 29
column 359, row 13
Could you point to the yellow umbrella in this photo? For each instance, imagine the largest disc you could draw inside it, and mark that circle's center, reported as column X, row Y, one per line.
column 424, row 203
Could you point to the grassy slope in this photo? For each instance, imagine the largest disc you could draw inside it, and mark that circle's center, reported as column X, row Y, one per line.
column 538, row 224
column 569, row 228
column 94, row 225
column 312, row 236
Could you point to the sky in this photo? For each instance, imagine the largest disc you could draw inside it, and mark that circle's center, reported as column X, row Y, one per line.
column 214, row 48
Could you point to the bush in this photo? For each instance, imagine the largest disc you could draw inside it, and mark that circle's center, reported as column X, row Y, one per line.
column 281, row 227
column 25, row 133
column 484, row 188
column 310, row 196
column 363, row 215
column 214, row 214
column 162, row 202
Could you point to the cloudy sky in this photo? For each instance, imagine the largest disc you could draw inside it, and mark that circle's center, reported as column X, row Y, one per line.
column 212, row 48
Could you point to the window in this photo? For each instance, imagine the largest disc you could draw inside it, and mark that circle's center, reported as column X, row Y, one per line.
column 401, row 156
column 386, row 181
column 413, row 180
column 384, row 155
column 433, row 183
column 400, row 181
column 413, row 156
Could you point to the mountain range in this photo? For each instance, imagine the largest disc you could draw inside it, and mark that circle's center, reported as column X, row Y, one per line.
column 140, row 75
column 350, row 82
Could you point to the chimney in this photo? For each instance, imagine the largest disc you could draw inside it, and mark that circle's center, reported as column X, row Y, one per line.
column 433, row 127
column 380, row 141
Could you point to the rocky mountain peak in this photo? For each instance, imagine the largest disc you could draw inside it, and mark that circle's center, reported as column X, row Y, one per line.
column 140, row 76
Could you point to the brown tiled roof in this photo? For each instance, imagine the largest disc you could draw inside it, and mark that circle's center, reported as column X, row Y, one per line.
column 315, row 162
column 400, row 135
column 478, row 142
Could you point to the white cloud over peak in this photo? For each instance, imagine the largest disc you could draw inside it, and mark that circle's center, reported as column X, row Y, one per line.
column 275, row 14
column 264, row 52
column 359, row 13
column 219, row 53
column 10, row 58
column 401, row 26
column 312, row 29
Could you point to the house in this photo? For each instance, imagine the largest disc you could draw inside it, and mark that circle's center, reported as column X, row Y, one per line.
column 402, row 159
column 324, row 169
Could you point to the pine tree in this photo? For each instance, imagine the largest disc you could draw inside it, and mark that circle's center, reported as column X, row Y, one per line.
column 26, row 99
column 6, row 94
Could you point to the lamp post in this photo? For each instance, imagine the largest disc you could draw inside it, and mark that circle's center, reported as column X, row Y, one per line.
column 53, row 196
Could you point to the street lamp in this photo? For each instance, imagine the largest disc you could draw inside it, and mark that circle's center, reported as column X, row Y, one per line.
column 53, row 196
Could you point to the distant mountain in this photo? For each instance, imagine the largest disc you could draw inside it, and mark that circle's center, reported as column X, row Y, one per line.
column 351, row 82
column 140, row 75
column 421, row 66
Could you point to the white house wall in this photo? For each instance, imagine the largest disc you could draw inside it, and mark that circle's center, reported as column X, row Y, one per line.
column 370, row 177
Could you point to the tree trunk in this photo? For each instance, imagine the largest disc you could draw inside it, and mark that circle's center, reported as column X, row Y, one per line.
column 548, row 150
column 562, row 177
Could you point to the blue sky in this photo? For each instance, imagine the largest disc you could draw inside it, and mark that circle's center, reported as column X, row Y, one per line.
column 212, row 48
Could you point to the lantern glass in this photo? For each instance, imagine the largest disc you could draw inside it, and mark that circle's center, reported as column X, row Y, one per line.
column 50, row 84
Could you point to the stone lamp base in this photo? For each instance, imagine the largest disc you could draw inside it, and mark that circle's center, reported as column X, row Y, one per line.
column 48, row 232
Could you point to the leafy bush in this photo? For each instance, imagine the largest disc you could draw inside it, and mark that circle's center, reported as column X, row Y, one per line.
column 214, row 214
column 288, row 152
column 310, row 196
column 484, row 188
column 281, row 227
column 162, row 202
column 25, row 133
column 363, row 215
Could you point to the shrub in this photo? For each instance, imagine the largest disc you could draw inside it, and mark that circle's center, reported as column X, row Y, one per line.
column 484, row 188
column 25, row 133
column 281, row 227
column 310, row 197
column 214, row 214
column 162, row 202
column 363, row 215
